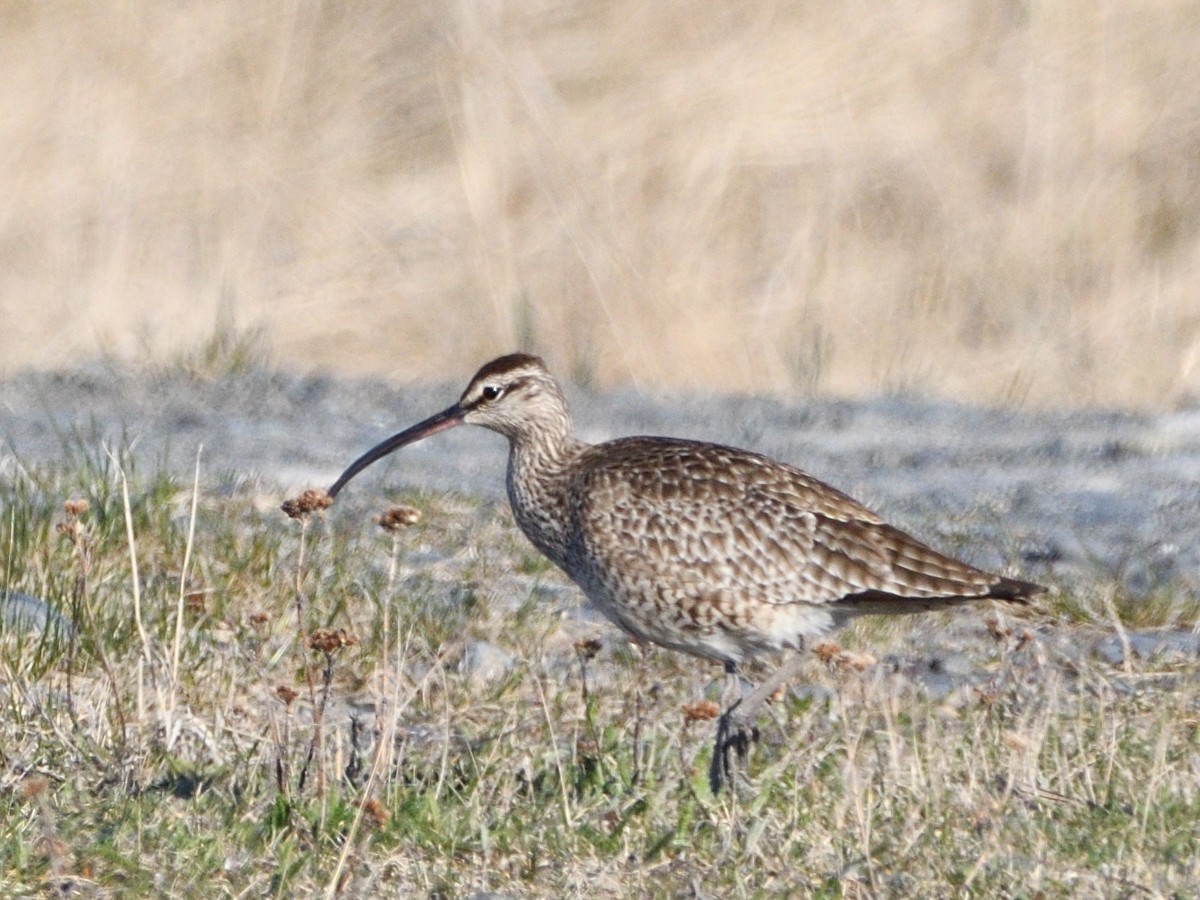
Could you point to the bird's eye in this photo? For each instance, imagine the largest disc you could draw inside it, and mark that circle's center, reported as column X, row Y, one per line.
column 491, row 392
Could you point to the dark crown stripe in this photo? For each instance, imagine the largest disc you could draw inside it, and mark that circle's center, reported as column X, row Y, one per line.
column 507, row 364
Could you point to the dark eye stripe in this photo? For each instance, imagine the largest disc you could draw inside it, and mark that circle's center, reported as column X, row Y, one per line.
column 490, row 392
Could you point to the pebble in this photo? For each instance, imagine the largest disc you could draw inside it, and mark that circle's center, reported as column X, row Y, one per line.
column 1145, row 645
column 485, row 663
column 31, row 615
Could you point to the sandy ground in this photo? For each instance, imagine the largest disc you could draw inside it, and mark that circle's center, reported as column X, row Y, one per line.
column 1075, row 499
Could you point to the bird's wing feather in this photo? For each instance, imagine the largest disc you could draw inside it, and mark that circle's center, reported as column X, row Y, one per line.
column 701, row 519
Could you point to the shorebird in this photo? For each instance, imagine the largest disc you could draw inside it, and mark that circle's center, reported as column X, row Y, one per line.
column 721, row 553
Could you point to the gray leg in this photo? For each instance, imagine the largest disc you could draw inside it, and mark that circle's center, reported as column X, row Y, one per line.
column 735, row 728
column 732, row 740
column 732, row 694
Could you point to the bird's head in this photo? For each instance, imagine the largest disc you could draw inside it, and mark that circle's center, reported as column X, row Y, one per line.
column 514, row 395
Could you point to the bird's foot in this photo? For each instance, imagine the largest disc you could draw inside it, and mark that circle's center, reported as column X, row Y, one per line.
column 735, row 735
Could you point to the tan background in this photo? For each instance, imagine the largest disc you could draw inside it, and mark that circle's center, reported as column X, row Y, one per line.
column 992, row 201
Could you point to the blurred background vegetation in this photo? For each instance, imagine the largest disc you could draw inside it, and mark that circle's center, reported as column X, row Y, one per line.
column 993, row 201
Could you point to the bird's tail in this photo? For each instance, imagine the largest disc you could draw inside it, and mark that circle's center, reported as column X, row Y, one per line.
column 1011, row 590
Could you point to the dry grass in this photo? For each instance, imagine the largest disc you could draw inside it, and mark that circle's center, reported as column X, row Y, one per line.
column 205, row 740
column 991, row 201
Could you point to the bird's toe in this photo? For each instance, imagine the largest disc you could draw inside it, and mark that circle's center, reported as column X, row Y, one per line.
column 735, row 736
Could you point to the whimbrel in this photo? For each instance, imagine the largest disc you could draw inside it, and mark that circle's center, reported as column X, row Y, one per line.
column 721, row 553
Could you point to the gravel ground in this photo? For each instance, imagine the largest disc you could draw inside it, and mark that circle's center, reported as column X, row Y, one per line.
column 1066, row 498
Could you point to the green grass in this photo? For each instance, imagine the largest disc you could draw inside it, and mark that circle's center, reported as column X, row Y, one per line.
column 148, row 769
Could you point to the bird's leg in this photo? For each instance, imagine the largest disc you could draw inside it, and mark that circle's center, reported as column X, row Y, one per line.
column 735, row 728
column 733, row 738
column 643, row 661
column 732, row 694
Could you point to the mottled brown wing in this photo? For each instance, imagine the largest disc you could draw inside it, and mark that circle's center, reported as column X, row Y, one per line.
column 675, row 520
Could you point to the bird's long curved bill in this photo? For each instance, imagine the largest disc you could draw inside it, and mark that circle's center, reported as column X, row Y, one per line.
column 447, row 418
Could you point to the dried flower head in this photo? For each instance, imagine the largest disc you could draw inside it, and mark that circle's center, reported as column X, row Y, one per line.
column 703, row 711
column 75, row 508
column 327, row 640
column 586, row 747
column 34, row 786
column 859, row 662
column 398, row 518
column 286, row 694
column 827, row 651
column 73, row 529
column 587, row 649
column 998, row 631
column 986, row 696
column 832, row 654
column 376, row 812
column 57, row 850
column 309, row 502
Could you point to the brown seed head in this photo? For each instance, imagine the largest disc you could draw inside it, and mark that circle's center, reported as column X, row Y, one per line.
column 307, row 503
column 858, row 662
column 996, row 630
column 703, row 711
column 986, row 698
column 286, row 694
column 827, row 651
column 586, row 747
column 34, row 786
column 832, row 654
column 398, row 518
column 327, row 640
column 376, row 812
column 56, row 849
column 587, row 649
column 75, row 508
